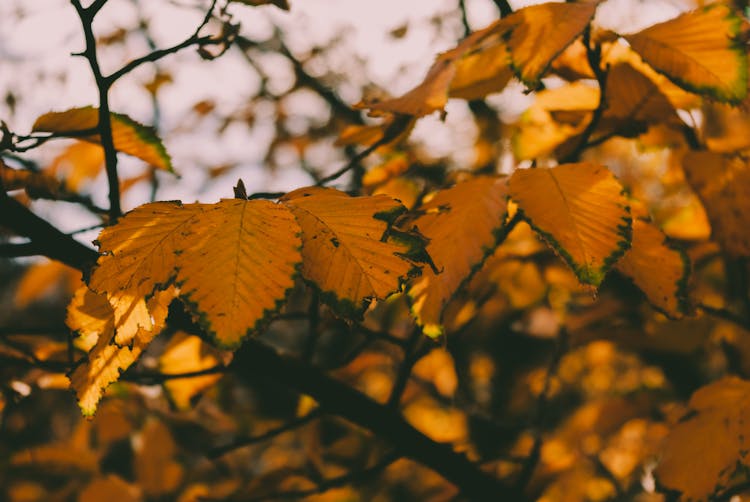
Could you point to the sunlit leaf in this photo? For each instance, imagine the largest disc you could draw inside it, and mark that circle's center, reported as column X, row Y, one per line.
column 555, row 116
column 540, row 32
column 700, row 51
column 234, row 262
column 722, row 183
column 343, row 245
column 717, row 432
column 580, row 210
column 106, row 360
column 472, row 213
column 187, row 354
column 659, row 270
column 129, row 136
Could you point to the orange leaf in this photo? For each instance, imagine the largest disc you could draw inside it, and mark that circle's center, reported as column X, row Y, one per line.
column 580, row 210
column 156, row 470
column 186, row 354
column 717, row 432
column 539, row 33
column 659, row 270
column 79, row 162
column 343, row 248
column 472, row 213
column 700, row 51
column 91, row 313
column 722, row 183
column 234, row 262
column 129, row 136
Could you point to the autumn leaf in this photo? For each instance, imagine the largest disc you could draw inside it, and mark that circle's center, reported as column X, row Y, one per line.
column 472, row 213
column 188, row 354
column 234, row 262
column 721, row 182
column 539, row 33
column 156, row 469
column 90, row 313
column 39, row 279
column 79, row 162
column 700, row 50
column 343, row 245
column 717, row 432
column 659, row 270
column 555, row 116
column 525, row 42
column 129, row 136
column 580, row 210
column 634, row 101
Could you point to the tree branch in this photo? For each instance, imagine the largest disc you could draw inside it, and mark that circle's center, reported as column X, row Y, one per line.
column 255, row 358
column 241, row 442
column 105, row 125
column 45, row 238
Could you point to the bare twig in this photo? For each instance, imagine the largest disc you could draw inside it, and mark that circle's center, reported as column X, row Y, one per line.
column 241, row 442
column 86, row 16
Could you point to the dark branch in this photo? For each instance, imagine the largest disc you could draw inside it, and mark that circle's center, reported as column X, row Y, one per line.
column 255, row 359
column 270, row 434
column 48, row 240
column 105, row 125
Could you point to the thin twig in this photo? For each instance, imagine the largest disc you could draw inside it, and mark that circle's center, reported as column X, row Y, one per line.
column 151, row 378
column 86, row 16
column 156, row 55
column 241, row 442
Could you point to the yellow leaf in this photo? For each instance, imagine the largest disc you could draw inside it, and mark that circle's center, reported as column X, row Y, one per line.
column 186, row 354
column 482, row 71
column 234, row 262
column 476, row 66
column 539, row 33
column 106, row 360
column 111, row 488
column 156, row 470
column 722, row 183
column 79, row 162
column 139, row 257
column 90, row 315
column 472, row 213
column 403, row 189
column 717, row 432
column 556, row 116
column 129, row 136
column 343, row 248
column 659, row 270
column 700, row 51
column 580, row 210
column 41, row 278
